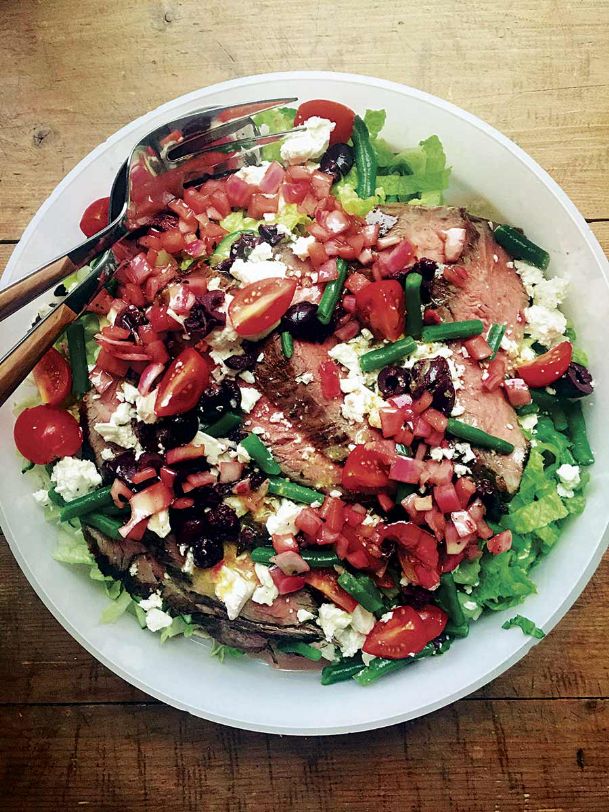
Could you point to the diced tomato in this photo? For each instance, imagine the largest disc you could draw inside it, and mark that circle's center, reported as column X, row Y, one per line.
column 406, row 632
column 478, row 348
column 548, row 367
column 317, row 255
column 517, row 392
column 95, row 216
column 114, row 366
column 260, row 305
column 386, row 502
column 160, row 320
column 365, row 469
column 151, row 500
column 431, row 316
column 356, row 281
column 495, row 376
column 417, row 551
column 239, row 192
column 392, row 420
column 262, row 204
column 446, row 498
column 172, row 241
column 295, row 192
column 348, row 331
column 436, row 419
column 44, row 433
column 355, row 514
column 397, row 259
column 329, row 379
column 286, row 584
column 500, row 543
column 308, row 522
column 465, row 488
column 406, row 469
column 456, row 275
column 182, row 384
column 53, row 377
column 382, row 306
column 282, row 542
column 340, row 114
column 101, row 303
column 326, row 582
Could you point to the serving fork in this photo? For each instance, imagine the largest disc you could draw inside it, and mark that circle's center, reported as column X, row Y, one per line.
column 183, row 152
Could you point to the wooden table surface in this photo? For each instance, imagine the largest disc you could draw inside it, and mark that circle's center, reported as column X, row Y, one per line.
column 74, row 735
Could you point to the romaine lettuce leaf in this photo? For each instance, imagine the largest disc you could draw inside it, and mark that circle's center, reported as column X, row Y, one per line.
column 527, row 626
column 503, row 582
column 118, row 607
column 274, row 121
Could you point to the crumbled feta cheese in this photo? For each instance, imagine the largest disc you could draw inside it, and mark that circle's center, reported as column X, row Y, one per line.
column 387, row 616
column 233, row 590
column 153, row 601
column 301, row 246
column 189, row 564
column 305, row 378
column 246, row 271
column 359, row 400
column 249, row 398
column 385, row 221
column 133, row 568
column 303, row 615
column 267, row 592
column 528, row 421
column 309, row 143
column 118, row 429
column 347, row 630
column 214, row 448
column 283, row 520
column 367, row 658
column 247, row 376
column 159, row 523
column 457, row 410
column 157, row 620
column 41, row 497
column 260, row 252
column 107, row 454
column 464, row 451
column 253, row 174
column 438, row 453
column 74, row 478
column 569, row 480
column 509, row 346
column 461, row 470
column 144, row 407
column 543, row 325
column 242, row 454
column 127, row 393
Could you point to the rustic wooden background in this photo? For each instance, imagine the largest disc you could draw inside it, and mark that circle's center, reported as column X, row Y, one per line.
column 74, row 735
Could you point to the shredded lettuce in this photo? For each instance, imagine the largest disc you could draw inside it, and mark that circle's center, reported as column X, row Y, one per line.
column 180, row 625
column 290, row 217
column 238, row 221
column 118, row 607
column 274, row 121
column 503, row 582
column 345, row 192
column 220, row 651
column 527, row 626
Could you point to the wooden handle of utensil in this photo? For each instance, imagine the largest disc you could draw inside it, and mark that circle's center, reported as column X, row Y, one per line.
column 20, row 293
column 20, row 361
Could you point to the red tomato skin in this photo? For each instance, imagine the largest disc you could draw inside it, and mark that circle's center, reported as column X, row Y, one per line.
column 549, row 367
column 182, row 384
column 258, row 306
column 44, row 433
column 53, row 377
column 365, row 470
column 326, row 582
column 340, row 114
column 95, row 216
column 383, row 307
column 406, row 633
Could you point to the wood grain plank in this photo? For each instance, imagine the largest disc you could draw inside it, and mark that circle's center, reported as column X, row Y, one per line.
column 75, row 71
column 473, row 757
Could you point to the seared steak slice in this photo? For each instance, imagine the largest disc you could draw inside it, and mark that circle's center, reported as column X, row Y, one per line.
column 250, row 631
column 94, row 409
column 492, row 293
column 296, row 416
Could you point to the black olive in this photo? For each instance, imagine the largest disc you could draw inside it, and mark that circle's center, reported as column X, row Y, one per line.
column 168, row 432
column 247, row 360
column 207, row 553
column 222, row 522
column 336, row 161
column 270, row 234
column 393, row 381
column 131, row 318
column 219, row 398
column 433, row 375
column 427, row 268
column 244, row 245
column 251, row 535
column 575, row 383
column 301, row 321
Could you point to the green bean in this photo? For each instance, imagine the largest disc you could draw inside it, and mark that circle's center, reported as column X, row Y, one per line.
column 414, row 318
column 447, row 598
column 332, row 293
column 297, row 493
column 112, row 510
column 106, row 524
column 315, row 558
column 75, row 334
column 365, row 159
column 287, row 344
column 56, row 498
column 223, row 426
column 380, row 666
column 520, row 247
column 298, row 647
column 88, row 503
column 478, row 437
column 260, row 454
column 494, row 337
column 552, row 405
column 450, row 330
column 341, row 671
column 375, row 359
column 364, row 590
column 577, row 431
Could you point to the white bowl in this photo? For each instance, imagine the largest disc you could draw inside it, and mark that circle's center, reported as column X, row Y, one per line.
column 245, row 693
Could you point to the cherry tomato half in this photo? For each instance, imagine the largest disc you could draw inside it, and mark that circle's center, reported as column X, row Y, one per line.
column 407, row 632
column 45, row 433
column 95, row 217
column 382, row 305
column 182, row 384
column 341, row 115
column 53, row 377
column 548, row 367
column 258, row 306
column 365, row 469
column 326, row 582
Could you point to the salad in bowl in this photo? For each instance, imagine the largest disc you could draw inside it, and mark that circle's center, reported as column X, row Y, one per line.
column 316, row 415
